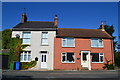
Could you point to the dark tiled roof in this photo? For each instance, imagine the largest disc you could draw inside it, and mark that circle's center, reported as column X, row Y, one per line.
column 35, row 24
column 83, row 33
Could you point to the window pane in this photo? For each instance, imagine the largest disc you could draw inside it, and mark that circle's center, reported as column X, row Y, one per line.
column 70, row 42
column 94, row 43
column 95, row 57
column 70, row 57
column 100, row 42
column 25, row 56
column 63, row 57
column 26, row 34
column 44, row 34
column 21, row 57
column 84, row 56
column 44, row 58
column 64, row 43
column 26, row 41
column 29, row 57
column 44, row 41
column 101, row 58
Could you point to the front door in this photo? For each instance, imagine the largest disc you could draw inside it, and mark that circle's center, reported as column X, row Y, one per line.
column 85, row 59
column 43, row 60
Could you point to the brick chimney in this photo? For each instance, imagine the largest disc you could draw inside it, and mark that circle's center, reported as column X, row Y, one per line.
column 56, row 21
column 102, row 26
column 24, row 18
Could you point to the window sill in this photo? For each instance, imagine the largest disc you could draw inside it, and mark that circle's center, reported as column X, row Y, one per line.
column 68, row 47
column 25, row 43
column 68, row 62
column 24, row 61
column 97, row 47
column 44, row 45
column 97, row 62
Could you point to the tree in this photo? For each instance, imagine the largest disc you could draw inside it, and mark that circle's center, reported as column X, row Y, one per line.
column 16, row 47
column 109, row 29
column 6, row 38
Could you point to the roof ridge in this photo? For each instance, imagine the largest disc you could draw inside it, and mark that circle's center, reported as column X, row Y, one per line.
column 78, row 28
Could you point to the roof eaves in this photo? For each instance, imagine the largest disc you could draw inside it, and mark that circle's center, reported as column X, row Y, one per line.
column 33, row 29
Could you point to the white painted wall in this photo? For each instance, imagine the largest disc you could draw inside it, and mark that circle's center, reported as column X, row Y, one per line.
column 36, row 47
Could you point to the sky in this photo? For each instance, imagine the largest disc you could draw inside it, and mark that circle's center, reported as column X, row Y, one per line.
column 87, row 15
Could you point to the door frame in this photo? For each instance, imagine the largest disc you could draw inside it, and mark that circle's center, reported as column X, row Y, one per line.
column 41, row 60
column 89, row 59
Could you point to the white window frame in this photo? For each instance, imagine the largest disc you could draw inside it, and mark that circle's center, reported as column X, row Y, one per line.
column 98, row 43
column 23, row 53
column 67, row 42
column 26, row 38
column 44, row 38
column 99, row 58
column 66, row 57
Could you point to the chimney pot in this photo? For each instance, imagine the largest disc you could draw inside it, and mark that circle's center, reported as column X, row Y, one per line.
column 24, row 18
column 102, row 26
column 56, row 21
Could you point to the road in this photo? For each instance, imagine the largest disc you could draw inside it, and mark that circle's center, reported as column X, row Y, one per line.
column 60, row 75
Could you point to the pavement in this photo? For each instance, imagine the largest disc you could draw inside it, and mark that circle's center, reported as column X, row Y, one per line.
column 60, row 75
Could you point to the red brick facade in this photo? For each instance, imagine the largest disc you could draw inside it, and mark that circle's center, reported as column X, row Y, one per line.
column 81, row 45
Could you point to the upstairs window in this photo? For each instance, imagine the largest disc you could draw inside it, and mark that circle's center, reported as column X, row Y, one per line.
column 96, row 42
column 26, row 38
column 67, row 57
column 68, row 42
column 44, row 38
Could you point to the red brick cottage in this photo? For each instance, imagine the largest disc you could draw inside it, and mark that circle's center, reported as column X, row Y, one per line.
column 76, row 49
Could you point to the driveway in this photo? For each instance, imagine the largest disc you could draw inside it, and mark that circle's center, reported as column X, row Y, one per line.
column 60, row 75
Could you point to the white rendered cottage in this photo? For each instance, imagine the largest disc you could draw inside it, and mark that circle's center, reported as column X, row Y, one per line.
column 40, row 36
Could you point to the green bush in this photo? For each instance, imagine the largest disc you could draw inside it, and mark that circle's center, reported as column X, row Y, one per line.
column 26, row 65
column 117, row 59
column 5, row 54
column 24, row 46
column 108, row 65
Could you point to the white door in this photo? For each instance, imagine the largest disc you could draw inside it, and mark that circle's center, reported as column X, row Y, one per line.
column 43, row 60
column 85, row 59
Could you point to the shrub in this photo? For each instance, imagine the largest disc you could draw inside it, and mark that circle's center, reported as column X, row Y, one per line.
column 5, row 54
column 117, row 59
column 108, row 65
column 26, row 65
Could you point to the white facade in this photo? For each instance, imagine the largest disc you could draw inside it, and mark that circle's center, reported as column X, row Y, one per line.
column 36, row 47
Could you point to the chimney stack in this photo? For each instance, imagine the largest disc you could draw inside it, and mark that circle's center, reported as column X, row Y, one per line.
column 102, row 26
column 24, row 18
column 56, row 21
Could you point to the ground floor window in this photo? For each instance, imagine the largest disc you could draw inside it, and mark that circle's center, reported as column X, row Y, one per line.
column 25, row 56
column 97, row 57
column 68, row 57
